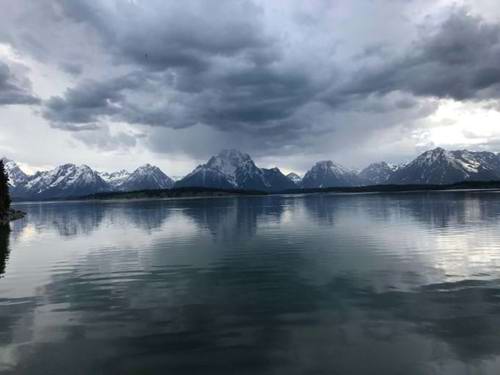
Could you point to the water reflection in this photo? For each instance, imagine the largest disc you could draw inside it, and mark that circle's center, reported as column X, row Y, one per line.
column 409, row 283
column 4, row 247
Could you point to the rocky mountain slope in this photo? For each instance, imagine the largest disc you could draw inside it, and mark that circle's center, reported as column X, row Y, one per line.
column 326, row 174
column 377, row 173
column 232, row 169
column 439, row 166
column 70, row 180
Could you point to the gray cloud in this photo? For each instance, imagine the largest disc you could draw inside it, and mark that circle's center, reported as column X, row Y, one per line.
column 89, row 102
column 166, row 34
column 222, row 71
column 102, row 139
column 306, row 78
column 226, row 73
column 459, row 59
column 15, row 89
column 72, row 68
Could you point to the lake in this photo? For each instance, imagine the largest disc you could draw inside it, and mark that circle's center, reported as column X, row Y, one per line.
column 321, row 284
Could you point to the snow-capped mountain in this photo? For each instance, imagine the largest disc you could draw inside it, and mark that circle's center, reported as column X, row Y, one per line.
column 68, row 180
column 146, row 177
column 218, row 172
column 328, row 174
column 295, row 178
column 232, row 169
column 115, row 179
column 378, row 173
column 16, row 176
column 439, row 166
column 277, row 181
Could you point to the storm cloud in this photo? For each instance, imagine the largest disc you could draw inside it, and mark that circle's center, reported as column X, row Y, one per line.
column 14, row 89
column 459, row 59
column 227, row 73
column 272, row 78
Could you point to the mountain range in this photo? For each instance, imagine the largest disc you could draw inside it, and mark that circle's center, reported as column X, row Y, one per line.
column 70, row 180
column 232, row 169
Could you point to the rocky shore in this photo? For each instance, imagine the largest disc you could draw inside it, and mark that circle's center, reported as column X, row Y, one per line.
column 11, row 215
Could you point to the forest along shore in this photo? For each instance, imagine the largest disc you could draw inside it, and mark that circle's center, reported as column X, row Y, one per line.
column 6, row 213
column 11, row 215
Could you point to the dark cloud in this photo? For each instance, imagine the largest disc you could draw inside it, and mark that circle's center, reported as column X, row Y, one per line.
column 101, row 138
column 89, row 102
column 167, row 34
column 310, row 77
column 72, row 68
column 458, row 60
column 223, row 70
column 14, row 89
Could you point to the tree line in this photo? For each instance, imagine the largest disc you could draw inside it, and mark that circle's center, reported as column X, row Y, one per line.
column 4, row 189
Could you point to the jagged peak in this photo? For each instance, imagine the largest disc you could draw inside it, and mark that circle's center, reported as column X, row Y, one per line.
column 233, row 156
column 73, row 166
column 438, row 150
column 274, row 169
column 228, row 161
column 147, row 167
column 294, row 177
column 381, row 165
column 330, row 165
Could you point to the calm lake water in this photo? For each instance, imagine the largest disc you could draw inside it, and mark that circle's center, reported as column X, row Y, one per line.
column 333, row 284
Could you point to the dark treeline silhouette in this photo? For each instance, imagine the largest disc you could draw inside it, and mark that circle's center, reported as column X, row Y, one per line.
column 172, row 193
column 208, row 192
column 4, row 190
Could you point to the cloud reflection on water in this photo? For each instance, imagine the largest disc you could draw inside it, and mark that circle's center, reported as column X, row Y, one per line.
column 264, row 285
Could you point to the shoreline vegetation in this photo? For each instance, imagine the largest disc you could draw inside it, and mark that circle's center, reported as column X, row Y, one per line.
column 7, row 214
column 11, row 215
column 203, row 192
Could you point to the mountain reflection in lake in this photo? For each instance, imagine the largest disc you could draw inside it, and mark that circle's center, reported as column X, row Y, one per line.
column 325, row 284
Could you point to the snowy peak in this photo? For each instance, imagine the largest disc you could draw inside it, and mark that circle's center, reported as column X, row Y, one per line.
column 275, row 180
column 328, row 166
column 295, row 178
column 16, row 174
column 115, row 179
column 70, row 180
column 231, row 169
column 228, row 161
column 146, row 177
column 226, row 170
column 432, row 156
column 378, row 173
column 439, row 166
column 328, row 174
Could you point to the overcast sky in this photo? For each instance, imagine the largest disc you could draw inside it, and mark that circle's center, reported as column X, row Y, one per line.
column 118, row 83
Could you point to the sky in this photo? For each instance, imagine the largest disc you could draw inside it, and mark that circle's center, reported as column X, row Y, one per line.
column 119, row 83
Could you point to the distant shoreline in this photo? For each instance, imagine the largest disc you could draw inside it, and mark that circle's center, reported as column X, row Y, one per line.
column 179, row 193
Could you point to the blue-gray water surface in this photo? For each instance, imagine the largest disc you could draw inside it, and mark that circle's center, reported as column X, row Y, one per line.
column 321, row 284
